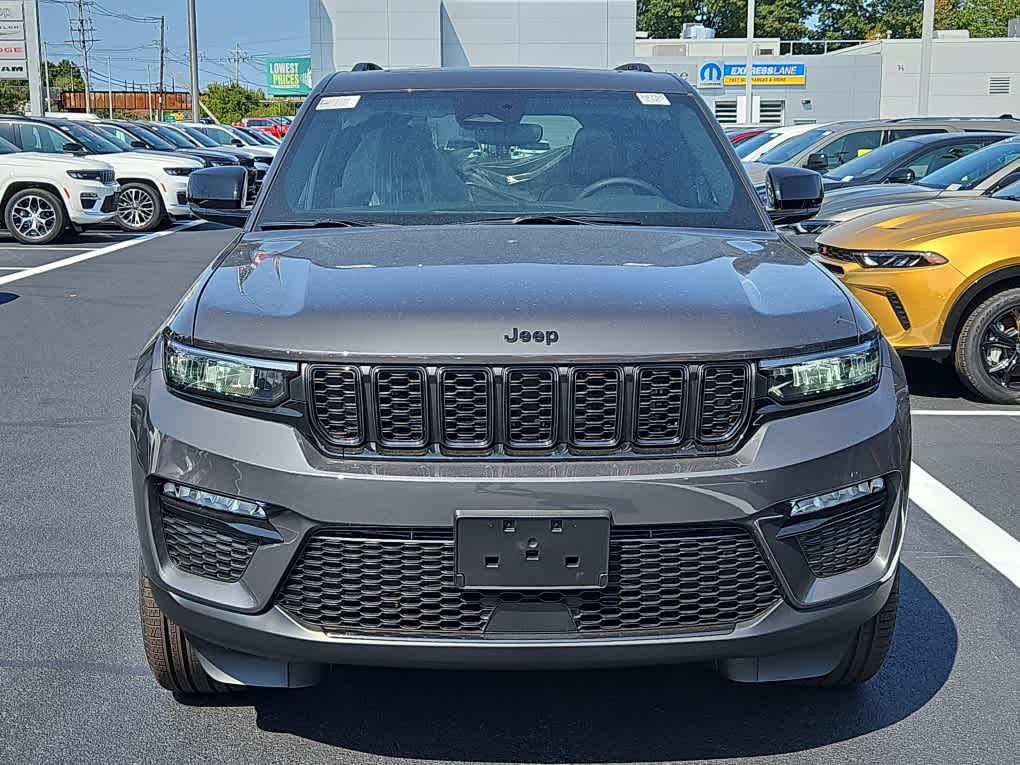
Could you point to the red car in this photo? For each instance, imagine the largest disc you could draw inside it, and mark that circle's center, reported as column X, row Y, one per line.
column 276, row 128
column 739, row 135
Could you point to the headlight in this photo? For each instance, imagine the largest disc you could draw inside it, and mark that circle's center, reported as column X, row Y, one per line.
column 178, row 170
column 884, row 258
column 87, row 175
column 236, row 378
column 813, row 226
column 822, row 374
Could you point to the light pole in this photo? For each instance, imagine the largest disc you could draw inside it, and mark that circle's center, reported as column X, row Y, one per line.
column 927, row 33
column 748, row 87
column 193, row 46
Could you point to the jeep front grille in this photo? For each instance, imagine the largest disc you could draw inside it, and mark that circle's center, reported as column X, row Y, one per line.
column 400, row 581
column 521, row 411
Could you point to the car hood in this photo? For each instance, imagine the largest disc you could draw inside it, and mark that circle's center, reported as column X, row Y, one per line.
column 457, row 291
column 128, row 160
column 917, row 224
column 846, row 203
column 59, row 161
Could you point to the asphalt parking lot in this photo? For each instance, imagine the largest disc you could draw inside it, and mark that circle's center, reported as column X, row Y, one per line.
column 74, row 685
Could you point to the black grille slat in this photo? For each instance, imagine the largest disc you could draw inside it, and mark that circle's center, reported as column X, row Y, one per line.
column 724, row 401
column 666, row 579
column 597, row 405
column 400, row 406
column 531, row 407
column 660, row 406
column 203, row 549
column 336, row 403
column 845, row 543
column 466, row 407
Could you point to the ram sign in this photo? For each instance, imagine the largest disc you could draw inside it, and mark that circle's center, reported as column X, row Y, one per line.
column 289, row 76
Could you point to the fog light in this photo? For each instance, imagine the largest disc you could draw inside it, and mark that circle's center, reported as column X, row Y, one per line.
column 838, row 497
column 214, row 501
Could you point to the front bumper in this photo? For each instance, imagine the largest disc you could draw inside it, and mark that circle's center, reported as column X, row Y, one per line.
column 174, row 191
column 89, row 204
column 814, row 452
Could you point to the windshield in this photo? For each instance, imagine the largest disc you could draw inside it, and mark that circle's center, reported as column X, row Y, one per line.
column 260, row 137
column 755, row 142
column 153, row 140
column 874, row 162
column 434, row 157
column 201, row 137
column 791, row 147
column 110, row 135
column 968, row 172
column 172, row 136
column 220, row 134
column 91, row 140
column 1012, row 191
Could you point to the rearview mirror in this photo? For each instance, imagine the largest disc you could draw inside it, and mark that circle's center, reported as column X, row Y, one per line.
column 237, row 142
column 220, row 194
column 792, row 194
column 72, row 148
column 902, row 175
column 817, row 162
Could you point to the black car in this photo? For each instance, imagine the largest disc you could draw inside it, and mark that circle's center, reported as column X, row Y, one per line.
column 134, row 136
column 509, row 368
column 908, row 159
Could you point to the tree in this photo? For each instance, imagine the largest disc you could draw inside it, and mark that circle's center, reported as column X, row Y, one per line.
column 65, row 75
column 229, row 103
column 786, row 19
column 983, row 18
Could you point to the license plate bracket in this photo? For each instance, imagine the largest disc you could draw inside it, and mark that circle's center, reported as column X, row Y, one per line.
column 566, row 550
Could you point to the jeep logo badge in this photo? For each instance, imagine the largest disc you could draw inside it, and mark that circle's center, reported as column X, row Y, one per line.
column 547, row 336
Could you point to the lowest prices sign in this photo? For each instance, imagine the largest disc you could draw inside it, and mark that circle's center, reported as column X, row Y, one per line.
column 289, row 76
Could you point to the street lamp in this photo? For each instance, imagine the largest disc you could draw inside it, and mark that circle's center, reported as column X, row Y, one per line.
column 748, row 88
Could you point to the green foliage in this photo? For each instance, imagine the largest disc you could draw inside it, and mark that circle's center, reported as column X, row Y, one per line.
column 232, row 102
column 13, row 96
column 983, row 18
column 65, row 75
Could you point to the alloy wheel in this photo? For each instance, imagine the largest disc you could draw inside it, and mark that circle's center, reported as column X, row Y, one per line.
column 1000, row 349
column 135, row 207
column 33, row 216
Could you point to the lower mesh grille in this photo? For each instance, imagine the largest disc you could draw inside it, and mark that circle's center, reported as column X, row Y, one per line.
column 662, row 579
column 844, row 544
column 203, row 548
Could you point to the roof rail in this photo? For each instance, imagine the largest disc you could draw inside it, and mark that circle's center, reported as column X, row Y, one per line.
column 952, row 119
column 634, row 66
column 366, row 66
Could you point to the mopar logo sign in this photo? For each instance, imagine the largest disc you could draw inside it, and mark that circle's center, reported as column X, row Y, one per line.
column 710, row 75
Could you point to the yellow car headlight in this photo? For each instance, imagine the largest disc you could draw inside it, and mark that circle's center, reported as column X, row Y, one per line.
column 884, row 258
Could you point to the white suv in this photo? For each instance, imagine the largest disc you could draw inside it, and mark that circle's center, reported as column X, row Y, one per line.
column 153, row 185
column 43, row 196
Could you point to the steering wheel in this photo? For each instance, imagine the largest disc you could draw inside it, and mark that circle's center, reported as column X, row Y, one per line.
column 618, row 180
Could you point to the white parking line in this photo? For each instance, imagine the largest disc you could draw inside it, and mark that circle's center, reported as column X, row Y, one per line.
column 13, row 268
column 44, row 248
column 967, row 412
column 95, row 253
column 986, row 538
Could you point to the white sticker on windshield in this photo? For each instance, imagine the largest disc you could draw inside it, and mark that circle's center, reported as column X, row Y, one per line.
column 337, row 102
column 954, row 187
column 653, row 99
column 846, row 178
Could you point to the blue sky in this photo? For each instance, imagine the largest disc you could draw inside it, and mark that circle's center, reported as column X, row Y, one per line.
column 262, row 27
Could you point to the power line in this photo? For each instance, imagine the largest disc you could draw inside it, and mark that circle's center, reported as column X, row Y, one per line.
column 83, row 36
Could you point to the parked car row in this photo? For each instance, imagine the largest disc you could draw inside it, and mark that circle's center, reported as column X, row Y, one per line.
column 923, row 230
column 60, row 176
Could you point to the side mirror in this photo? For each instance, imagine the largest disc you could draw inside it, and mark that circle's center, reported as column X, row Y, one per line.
column 237, row 142
column 219, row 194
column 902, row 175
column 136, row 144
column 72, row 148
column 817, row 162
column 792, row 194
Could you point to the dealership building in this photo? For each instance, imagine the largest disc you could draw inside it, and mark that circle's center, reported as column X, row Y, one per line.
column 874, row 79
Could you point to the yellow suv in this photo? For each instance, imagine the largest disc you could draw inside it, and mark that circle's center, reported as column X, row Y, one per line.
column 942, row 279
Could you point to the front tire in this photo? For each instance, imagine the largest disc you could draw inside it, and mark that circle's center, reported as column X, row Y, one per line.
column 987, row 352
column 35, row 216
column 868, row 648
column 139, row 207
column 170, row 655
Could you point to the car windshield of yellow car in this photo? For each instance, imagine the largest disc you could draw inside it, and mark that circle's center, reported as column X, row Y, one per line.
column 1012, row 191
column 968, row 172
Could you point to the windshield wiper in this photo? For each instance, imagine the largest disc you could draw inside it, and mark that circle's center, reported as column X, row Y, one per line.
column 559, row 220
column 318, row 223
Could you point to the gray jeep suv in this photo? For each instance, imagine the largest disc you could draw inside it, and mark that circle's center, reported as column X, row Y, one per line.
column 509, row 368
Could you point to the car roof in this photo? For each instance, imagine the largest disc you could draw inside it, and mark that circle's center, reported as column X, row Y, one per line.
column 958, row 137
column 526, row 78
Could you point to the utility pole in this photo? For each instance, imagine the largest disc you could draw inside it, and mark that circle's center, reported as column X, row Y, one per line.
column 237, row 56
column 927, row 33
column 82, row 38
column 748, row 86
column 148, row 88
column 162, row 61
column 46, row 66
column 109, row 85
column 193, row 47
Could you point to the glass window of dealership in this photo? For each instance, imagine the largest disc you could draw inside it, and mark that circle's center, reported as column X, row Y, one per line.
column 876, row 79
